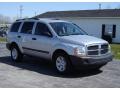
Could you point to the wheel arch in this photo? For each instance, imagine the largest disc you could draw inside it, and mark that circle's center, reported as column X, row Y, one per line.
column 16, row 44
column 13, row 44
column 58, row 51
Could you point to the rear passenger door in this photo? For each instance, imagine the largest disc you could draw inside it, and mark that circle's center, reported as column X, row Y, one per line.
column 26, row 36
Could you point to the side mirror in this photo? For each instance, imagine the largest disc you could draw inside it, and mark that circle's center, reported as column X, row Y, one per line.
column 48, row 34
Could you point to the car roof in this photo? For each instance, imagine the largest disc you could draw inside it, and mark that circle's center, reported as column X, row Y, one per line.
column 46, row 20
column 51, row 20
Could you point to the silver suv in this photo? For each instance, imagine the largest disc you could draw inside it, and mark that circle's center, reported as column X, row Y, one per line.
column 64, row 43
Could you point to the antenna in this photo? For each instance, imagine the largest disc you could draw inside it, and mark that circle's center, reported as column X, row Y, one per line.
column 21, row 11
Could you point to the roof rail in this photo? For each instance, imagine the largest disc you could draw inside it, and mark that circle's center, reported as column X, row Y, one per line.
column 28, row 19
column 56, row 19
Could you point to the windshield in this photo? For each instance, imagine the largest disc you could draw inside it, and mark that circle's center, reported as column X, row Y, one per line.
column 66, row 29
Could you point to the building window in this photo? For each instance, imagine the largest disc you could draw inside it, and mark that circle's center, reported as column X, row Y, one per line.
column 109, row 29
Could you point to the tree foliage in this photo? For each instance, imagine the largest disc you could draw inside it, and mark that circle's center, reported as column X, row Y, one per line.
column 4, row 19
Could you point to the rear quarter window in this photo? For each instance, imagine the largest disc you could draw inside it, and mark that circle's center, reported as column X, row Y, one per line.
column 15, row 27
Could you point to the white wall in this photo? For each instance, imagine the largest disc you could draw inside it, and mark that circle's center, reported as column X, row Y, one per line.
column 93, row 26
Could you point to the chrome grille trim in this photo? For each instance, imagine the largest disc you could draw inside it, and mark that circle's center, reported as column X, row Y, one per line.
column 93, row 47
column 97, row 49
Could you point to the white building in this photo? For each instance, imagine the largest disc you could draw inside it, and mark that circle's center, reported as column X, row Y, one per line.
column 99, row 23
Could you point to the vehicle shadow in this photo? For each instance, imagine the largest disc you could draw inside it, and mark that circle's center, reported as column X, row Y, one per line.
column 45, row 67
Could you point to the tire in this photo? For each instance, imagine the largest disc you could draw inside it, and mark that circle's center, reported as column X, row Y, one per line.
column 98, row 68
column 62, row 63
column 16, row 55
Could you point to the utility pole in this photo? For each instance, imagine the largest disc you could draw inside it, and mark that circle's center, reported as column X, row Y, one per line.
column 21, row 11
column 100, row 6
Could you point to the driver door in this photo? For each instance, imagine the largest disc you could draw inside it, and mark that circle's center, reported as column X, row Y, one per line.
column 42, row 40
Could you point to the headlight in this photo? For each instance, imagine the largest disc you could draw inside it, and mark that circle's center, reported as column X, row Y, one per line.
column 80, row 51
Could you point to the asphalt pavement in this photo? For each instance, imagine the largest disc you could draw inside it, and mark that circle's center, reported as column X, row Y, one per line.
column 36, row 72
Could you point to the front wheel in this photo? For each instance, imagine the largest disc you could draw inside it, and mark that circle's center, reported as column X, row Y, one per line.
column 62, row 63
column 16, row 55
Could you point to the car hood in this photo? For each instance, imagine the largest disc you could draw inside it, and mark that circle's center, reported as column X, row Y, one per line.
column 82, row 39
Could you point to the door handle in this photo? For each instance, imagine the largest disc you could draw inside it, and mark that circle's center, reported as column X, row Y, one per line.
column 33, row 38
column 19, row 36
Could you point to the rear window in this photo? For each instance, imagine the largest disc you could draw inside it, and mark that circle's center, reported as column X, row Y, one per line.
column 27, row 27
column 15, row 27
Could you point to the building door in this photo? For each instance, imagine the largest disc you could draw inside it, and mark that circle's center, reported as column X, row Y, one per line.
column 108, row 32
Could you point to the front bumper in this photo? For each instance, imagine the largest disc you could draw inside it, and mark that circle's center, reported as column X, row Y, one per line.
column 90, row 62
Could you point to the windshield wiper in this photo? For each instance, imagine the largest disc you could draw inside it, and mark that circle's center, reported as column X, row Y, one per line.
column 76, row 34
column 64, row 35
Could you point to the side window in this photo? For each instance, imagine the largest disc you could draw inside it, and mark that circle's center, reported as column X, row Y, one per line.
column 27, row 27
column 42, row 29
column 15, row 27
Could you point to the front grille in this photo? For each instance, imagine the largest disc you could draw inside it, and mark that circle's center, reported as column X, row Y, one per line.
column 93, row 52
column 97, row 49
column 104, row 46
column 93, row 47
column 104, row 51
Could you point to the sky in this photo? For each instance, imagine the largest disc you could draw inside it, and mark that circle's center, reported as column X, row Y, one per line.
column 12, row 9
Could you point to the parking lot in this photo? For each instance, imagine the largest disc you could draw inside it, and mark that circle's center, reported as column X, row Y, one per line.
column 33, row 72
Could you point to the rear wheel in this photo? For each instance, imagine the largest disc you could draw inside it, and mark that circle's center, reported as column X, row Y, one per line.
column 16, row 55
column 62, row 63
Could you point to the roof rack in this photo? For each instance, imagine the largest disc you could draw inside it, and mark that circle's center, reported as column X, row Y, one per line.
column 56, row 19
column 28, row 19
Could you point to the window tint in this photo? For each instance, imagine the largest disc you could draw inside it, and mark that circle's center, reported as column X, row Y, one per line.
column 15, row 27
column 42, row 29
column 27, row 27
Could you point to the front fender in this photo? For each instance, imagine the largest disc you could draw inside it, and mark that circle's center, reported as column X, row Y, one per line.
column 68, row 48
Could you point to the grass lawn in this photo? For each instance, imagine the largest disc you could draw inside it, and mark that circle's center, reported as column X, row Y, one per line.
column 116, row 50
column 2, row 39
